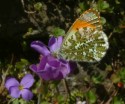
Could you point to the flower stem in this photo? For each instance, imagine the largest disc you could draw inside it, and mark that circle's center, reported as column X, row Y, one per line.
column 39, row 98
column 39, row 95
column 66, row 86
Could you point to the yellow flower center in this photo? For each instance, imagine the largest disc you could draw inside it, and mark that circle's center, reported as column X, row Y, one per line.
column 20, row 87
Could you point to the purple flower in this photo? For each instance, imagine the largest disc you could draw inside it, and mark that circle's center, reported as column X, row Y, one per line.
column 17, row 89
column 51, row 68
column 54, row 45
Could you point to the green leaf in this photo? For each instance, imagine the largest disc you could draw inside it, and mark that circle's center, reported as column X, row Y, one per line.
column 38, row 6
column 117, row 30
column 22, row 64
column 61, row 99
column 103, row 5
column 82, row 6
column 91, row 97
column 115, row 78
column 117, row 100
column 103, row 20
column 97, row 79
column 58, row 32
column 54, row 84
column 109, row 68
column 44, row 102
column 21, row 68
column 15, row 101
column 122, row 74
column 117, row 2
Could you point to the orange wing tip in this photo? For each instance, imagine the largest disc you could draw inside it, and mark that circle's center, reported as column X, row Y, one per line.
column 82, row 24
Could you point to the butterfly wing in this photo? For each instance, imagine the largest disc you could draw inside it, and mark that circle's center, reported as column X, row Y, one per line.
column 85, row 40
column 91, row 17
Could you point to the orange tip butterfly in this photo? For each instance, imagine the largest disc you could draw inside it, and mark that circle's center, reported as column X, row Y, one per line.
column 85, row 40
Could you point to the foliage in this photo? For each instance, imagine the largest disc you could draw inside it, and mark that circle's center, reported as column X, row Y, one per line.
column 94, row 83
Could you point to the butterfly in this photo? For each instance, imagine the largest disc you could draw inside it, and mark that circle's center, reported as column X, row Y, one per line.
column 85, row 40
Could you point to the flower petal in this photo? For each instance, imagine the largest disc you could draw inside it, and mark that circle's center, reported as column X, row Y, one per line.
column 26, row 94
column 40, row 47
column 11, row 82
column 58, row 76
column 52, row 61
column 52, row 40
column 14, row 92
column 27, row 81
column 55, row 43
column 44, row 73
column 40, row 66
column 59, row 41
column 55, row 69
column 33, row 67
column 64, row 68
column 51, row 73
column 42, row 63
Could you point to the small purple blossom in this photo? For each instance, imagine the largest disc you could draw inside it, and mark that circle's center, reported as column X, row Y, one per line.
column 54, row 45
column 17, row 89
column 51, row 68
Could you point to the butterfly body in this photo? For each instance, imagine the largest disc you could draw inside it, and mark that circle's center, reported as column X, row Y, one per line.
column 85, row 40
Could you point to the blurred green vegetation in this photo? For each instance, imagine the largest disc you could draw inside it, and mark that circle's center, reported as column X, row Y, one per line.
column 22, row 21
